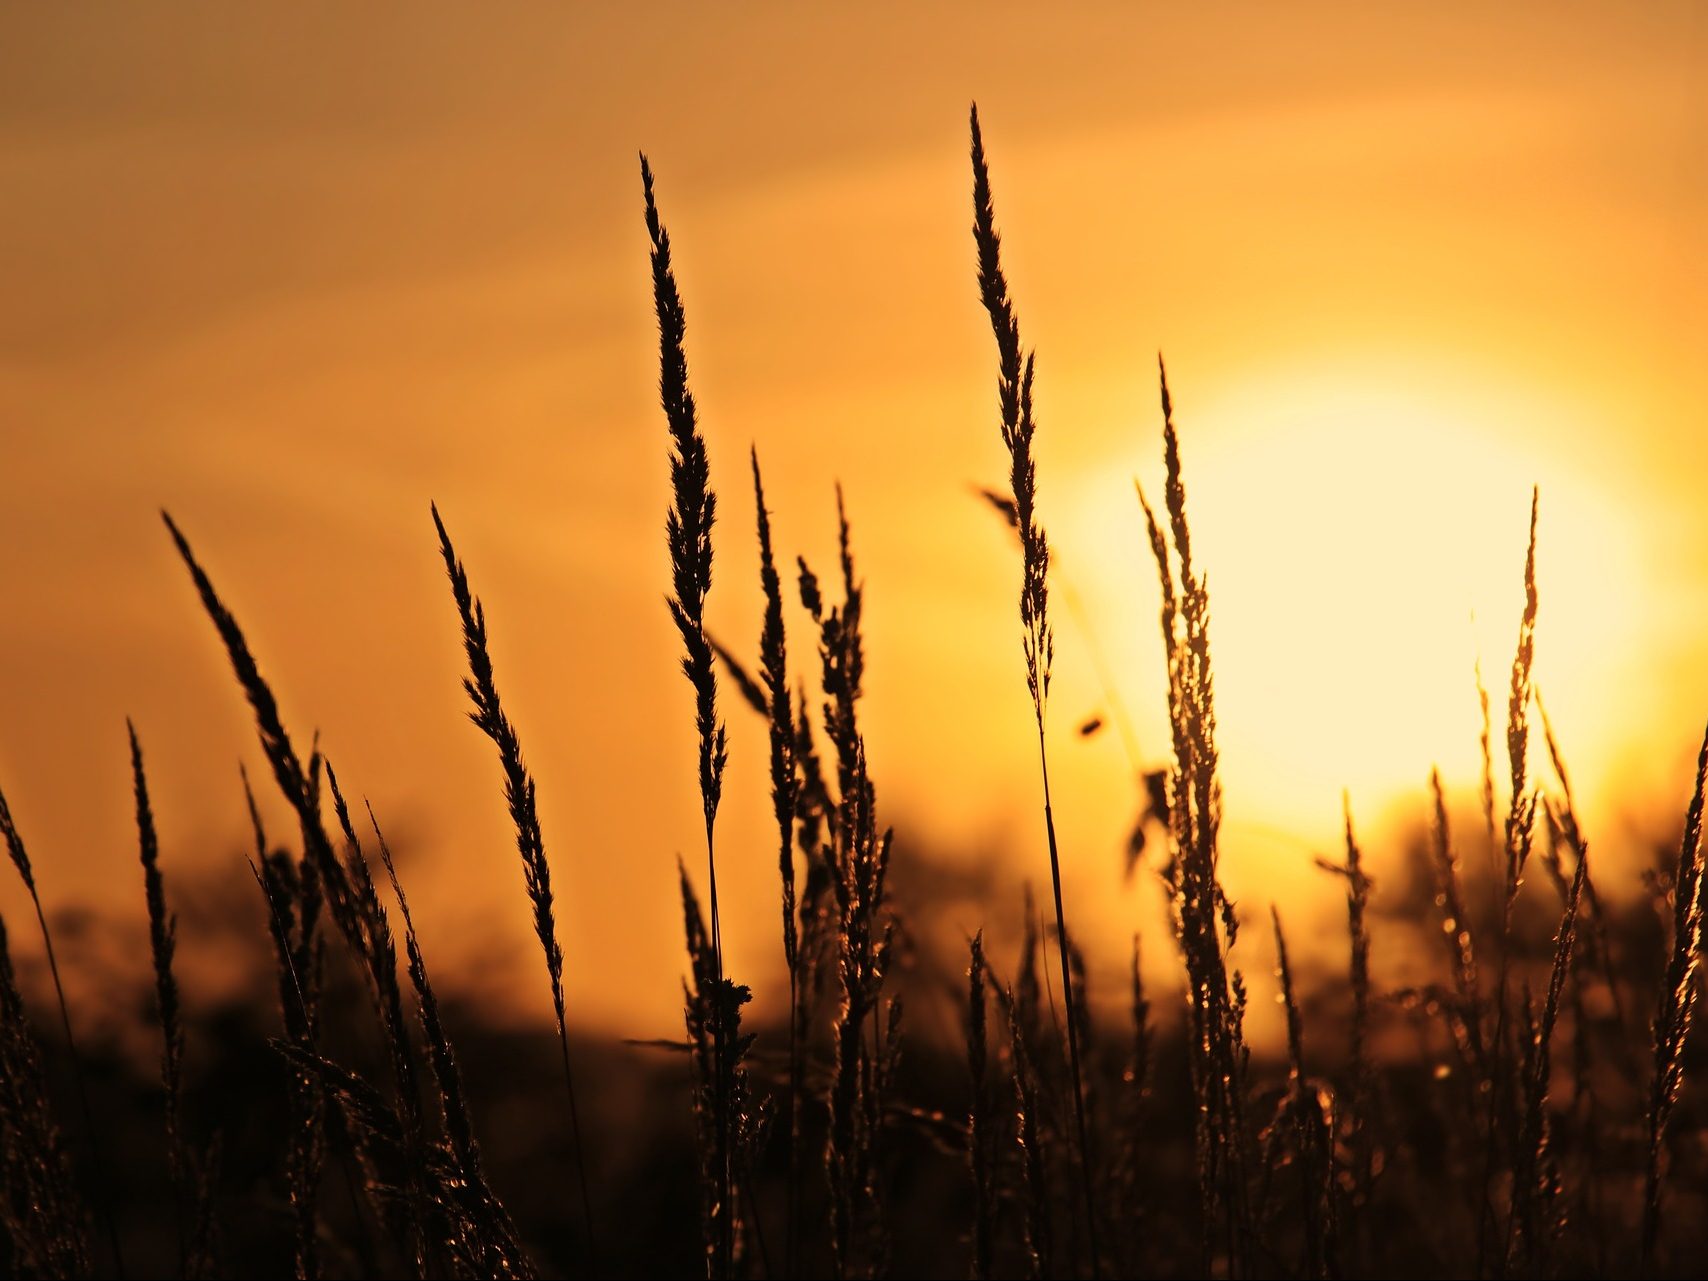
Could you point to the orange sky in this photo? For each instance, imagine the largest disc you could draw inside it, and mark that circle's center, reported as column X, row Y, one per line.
column 293, row 272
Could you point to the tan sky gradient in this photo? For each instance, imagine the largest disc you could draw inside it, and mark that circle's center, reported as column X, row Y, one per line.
column 293, row 272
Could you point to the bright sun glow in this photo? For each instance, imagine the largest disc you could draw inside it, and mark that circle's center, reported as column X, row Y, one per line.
column 1364, row 542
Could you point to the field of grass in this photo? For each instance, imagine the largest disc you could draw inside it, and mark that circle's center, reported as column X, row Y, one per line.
column 1536, row 1109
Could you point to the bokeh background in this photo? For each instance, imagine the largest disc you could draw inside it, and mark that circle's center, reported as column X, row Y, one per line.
column 291, row 273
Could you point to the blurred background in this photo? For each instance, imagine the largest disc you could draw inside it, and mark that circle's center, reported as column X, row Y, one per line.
column 292, row 273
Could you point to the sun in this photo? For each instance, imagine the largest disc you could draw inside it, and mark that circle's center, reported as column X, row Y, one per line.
column 1364, row 537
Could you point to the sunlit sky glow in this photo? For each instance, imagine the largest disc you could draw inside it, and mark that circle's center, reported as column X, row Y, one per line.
column 291, row 273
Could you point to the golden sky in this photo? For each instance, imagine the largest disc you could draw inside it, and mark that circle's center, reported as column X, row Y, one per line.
column 293, row 271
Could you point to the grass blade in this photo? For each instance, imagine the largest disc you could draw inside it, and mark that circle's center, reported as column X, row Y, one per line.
column 1014, row 395
column 490, row 718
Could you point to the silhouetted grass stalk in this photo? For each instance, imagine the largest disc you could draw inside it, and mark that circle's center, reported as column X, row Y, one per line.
column 1137, row 1078
column 1203, row 915
column 1036, row 1237
column 162, row 941
column 856, row 857
column 1014, row 394
column 1593, row 947
column 1312, row 1137
column 493, row 1249
column 490, row 718
column 21, row 861
column 41, row 1214
column 1675, row 1007
column 688, row 530
column 1359, row 1099
column 1535, row 1186
column 294, row 896
column 779, row 712
column 292, row 911
column 978, row 1118
column 720, row 1077
column 1504, row 1078
column 305, row 1150
column 381, row 951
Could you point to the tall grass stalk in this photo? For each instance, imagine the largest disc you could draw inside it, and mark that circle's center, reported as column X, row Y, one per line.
column 20, row 857
column 1593, row 957
column 1359, row 1100
column 381, row 951
column 1675, row 1008
column 688, row 534
column 1522, row 802
column 1204, row 916
column 856, row 856
column 490, row 718
column 1014, row 396
column 720, row 1078
column 305, row 1150
column 1535, row 1184
column 1586, row 1105
column 41, row 1214
column 1594, row 947
column 162, row 942
column 1139, row 1068
column 1037, row 1237
column 1312, row 1135
column 779, row 714
column 491, row 1248
column 1135, row 1210
column 1521, row 810
column 1505, row 1078
column 323, row 875
column 294, row 895
column 288, row 892
column 978, row 1115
